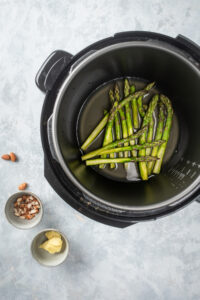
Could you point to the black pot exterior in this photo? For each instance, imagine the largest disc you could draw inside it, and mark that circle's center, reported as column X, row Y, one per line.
column 103, row 212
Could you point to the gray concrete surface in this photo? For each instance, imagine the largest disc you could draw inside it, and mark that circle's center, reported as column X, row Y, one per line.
column 156, row 260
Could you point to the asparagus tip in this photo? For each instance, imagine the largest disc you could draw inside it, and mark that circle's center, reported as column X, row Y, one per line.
column 132, row 89
column 116, row 87
column 111, row 93
column 150, row 86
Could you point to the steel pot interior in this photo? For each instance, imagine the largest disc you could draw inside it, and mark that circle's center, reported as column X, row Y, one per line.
column 178, row 78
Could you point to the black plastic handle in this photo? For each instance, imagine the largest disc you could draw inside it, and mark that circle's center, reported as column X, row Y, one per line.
column 189, row 45
column 51, row 69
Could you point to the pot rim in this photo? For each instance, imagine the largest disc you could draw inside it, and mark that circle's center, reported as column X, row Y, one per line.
column 73, row 71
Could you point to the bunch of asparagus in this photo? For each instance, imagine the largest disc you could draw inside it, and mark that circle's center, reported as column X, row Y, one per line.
column 137, row 132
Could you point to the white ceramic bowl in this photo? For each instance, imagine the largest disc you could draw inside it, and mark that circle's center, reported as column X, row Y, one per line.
column 44, row 257
column 16, row 221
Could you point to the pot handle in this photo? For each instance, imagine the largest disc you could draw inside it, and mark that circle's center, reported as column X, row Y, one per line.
column 51, row 69
column 187, row 43
column 50, row 139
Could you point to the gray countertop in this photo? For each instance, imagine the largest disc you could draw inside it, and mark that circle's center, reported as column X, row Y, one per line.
column 155, row 260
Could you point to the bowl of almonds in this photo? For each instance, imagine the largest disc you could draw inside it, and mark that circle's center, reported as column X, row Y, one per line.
column 24, row 210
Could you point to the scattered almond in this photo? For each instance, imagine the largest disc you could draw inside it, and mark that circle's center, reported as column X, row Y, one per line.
column 22, row 186
column 6, row 157
column 13, row 156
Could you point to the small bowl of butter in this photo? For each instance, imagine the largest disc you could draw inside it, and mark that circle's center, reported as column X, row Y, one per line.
column 50, row 247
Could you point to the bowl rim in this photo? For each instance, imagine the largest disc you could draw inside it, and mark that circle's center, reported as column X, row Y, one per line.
column 41, row 212
column 62, row 235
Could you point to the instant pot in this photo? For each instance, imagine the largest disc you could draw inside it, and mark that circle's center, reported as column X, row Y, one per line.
column 67, row 80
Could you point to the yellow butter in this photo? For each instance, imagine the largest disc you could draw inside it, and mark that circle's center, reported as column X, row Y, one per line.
column 53, row 245
column 51, row 234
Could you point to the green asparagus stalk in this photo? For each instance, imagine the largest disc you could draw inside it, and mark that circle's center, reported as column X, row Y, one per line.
column 127, row 148
column 135, row 113
column 142, row 139
column 141, row 107
column 150, row 86
column 132, row 89
column 99, row 161
column 116, row 120
column 150, row 135
column 108, row 133
column 134, row 147
column 129, row 90
column 134, row 109
column 123, row 121
column 159, row 132
column 166, row 133
column 115, row 144
column 95, row 132
column 127, row 107
column 117, row 127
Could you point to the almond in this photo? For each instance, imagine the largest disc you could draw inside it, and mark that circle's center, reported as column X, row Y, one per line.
column 29, row 217
column 6, row 157
column 13, row 156
column 22, row 186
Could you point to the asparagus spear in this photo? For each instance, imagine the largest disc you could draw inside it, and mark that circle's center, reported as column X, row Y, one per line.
column 150, row 86
column 132, row 89
column 150, row 135
column 166, row 133
column 134, row 147
column 134, row 110
column 159, row 132
column 140, row 105
column 99, row 161
column 117, row 128
column 129, row 90
column 95, row 132
column 127, row 107
column 127, row 148
column 135, row 113
column 115, row 144
column 108, row 133
column 117, row 121
column 123, row 122
column 142, row 140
